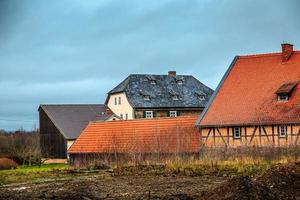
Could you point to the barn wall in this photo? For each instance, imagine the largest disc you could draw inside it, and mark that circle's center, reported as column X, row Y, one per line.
column 250, row 136
column 53, row 144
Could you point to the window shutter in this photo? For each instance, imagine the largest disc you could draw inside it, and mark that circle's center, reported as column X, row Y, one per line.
column 154, row 114
column 144, row 114
column 168, row 113
column 178, row 113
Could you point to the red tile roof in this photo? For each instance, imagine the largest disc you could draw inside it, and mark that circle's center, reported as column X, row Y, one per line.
column 163, row 135
column 247, row 93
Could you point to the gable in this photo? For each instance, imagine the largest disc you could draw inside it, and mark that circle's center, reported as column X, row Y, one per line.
column 247, row 94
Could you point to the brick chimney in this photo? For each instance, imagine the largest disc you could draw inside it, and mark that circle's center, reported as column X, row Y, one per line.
column 287, row 51
column 172, row 73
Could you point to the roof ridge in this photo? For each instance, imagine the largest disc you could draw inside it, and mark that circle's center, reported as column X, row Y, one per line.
column 263, row 54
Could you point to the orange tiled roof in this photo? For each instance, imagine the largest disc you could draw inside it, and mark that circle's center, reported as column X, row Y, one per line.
column 163, row 135
column 248, row 92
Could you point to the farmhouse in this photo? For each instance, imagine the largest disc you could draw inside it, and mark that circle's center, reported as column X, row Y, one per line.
column 60, row 125
column 150, row 96
column 256, row 103
column 115, row 140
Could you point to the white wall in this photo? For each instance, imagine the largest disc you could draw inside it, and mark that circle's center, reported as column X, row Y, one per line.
column 123, row 108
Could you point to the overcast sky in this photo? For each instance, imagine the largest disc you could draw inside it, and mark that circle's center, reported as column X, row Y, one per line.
column 75, row 51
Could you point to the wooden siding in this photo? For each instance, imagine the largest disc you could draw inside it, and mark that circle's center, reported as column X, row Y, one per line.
column 250, row 136
column 53, row 144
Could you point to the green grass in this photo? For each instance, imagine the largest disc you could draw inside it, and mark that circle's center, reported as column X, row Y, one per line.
column 32, row 173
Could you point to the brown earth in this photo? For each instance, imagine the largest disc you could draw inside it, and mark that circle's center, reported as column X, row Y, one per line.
column 280, row 182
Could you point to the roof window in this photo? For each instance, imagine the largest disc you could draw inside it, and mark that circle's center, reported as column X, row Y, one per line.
column 174, row 95
column 147, row 96
column 151, row 79
column 179, row 80
column 285, row 91
column 201, row 95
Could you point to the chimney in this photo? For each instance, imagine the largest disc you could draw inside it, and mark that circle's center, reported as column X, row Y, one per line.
column 172, row 73
column 287, row 51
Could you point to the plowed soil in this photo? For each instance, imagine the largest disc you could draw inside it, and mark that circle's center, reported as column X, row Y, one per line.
column 280, row 182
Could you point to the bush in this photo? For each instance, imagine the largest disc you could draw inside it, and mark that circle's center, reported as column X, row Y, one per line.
column 6, row 163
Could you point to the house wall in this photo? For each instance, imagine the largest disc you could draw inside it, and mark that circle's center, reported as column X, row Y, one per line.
column 164, row 113
column 69, row 143
column 52, row 142
column 250, row 136
column 123, row 108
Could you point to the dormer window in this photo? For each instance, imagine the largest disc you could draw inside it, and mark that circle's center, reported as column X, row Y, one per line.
column 175, row 97
column 151, row 79
column 179, row 80
column 152, row 82
column 285, row 91
column 201, row 95
column 146, row 97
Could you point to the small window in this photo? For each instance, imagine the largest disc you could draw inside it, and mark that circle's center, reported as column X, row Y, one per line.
column 236, row 132
column 153, row 82
column 173, row 113
column 201, row 97
column 121, row 116
column 116, row 101
column 146, row 97
column 149, row 114
column 179, row 82
column 282, row 131
column 119, row 100
column 283, row 97
column 175, row 97
column 126, row 116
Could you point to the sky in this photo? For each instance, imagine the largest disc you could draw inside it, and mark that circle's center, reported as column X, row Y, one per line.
column 74, row 51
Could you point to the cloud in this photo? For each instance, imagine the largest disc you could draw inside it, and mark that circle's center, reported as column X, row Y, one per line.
column 84, row 48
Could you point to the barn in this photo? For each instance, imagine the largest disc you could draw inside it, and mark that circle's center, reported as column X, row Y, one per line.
column 130, row 139
column 61, row 124
column 257, row 103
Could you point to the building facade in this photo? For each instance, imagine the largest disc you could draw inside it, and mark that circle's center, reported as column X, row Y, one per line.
column 150, row 96
column 257, row 103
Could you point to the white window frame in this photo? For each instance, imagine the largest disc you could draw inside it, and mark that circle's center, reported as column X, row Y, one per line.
column 282, row 131
column 236, row 131
column 149, row 114
column 119, row 100
column 173, row 113
column 282, row 97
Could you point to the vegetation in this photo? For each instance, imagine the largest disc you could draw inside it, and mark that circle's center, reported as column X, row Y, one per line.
column 32, row 173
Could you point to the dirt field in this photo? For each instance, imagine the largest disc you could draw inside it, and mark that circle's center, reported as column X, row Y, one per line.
column 280, row 182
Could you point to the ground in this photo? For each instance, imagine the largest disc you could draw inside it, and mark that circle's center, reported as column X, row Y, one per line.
column 281, row 181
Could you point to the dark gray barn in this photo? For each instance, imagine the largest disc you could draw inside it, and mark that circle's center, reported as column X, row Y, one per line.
column 60, row 125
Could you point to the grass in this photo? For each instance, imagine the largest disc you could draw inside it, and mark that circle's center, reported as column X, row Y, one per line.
column 32, row 173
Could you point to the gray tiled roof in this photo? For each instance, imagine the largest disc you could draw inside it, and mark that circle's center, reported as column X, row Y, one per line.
column 136, row 86
column 71, row 119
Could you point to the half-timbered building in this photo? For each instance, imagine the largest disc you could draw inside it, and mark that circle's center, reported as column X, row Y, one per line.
column 257, row 103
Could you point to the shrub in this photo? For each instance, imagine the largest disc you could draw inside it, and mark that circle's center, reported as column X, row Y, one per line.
column 6, row 163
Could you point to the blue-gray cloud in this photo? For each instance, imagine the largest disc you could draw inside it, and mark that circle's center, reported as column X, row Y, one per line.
column 73, row 51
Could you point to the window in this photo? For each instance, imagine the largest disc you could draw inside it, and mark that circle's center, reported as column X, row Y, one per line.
column 179, row 82
column 201, row 97
column 149, row 114
column 121, row 116
column 282, row 97
column 119, row 100
column 126, row 116
column 146, row 97
column 282, row 131
column 115, row 100
column 152, row 82
column 175, row 97
column 173, row 113
column 236, row 132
